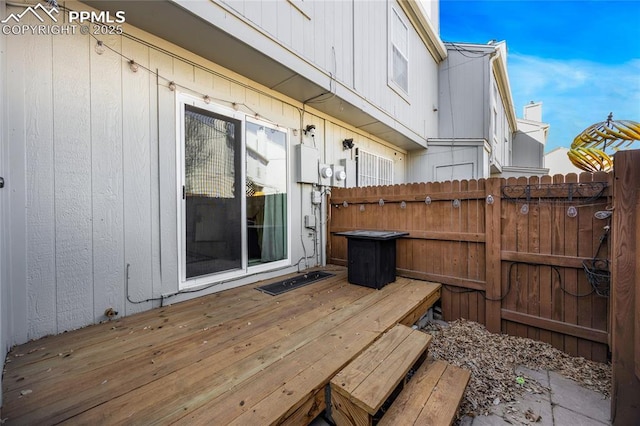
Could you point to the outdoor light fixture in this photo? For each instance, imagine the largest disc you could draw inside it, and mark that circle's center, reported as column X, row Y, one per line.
column 310, row 130
column 206, row 99
column 347, row 143
column 172, row 86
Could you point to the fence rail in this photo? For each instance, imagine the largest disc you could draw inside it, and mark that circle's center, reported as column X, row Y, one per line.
column 509, row 252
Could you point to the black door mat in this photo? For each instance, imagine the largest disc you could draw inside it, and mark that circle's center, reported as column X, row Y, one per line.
column 292, row 283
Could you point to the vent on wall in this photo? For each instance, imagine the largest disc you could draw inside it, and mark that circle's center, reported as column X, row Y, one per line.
column 372, row 169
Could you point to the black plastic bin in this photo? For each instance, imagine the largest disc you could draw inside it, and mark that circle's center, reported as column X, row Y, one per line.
column 371, row 257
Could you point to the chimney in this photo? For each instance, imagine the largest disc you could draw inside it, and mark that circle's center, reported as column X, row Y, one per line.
column 533, row 111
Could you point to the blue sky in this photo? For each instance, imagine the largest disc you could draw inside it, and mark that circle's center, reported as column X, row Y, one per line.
column 581, row 59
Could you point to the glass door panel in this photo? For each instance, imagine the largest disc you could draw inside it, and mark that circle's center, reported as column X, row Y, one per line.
column 266, row 189
column 213, row 210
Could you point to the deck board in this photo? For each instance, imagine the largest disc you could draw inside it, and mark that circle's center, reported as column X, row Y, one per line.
column 238, row 355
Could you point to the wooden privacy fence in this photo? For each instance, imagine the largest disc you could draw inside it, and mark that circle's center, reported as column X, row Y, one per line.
column 509, row 252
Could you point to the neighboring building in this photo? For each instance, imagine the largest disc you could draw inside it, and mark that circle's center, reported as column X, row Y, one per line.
column 558, row 162
column 530, row 138
column 186, row 150
column 478, row 133
column 476, row 116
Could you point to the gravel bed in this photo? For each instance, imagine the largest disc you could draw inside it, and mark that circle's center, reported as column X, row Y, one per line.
column 493, row 358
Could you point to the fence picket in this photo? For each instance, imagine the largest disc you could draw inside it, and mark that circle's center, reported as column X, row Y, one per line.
column 471, row 247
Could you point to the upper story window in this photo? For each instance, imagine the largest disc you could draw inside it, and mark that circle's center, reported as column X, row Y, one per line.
column 373, row 170
column 494, row 112
column 399, row 53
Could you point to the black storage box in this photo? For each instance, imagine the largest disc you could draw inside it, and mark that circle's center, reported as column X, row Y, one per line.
column 371, row 257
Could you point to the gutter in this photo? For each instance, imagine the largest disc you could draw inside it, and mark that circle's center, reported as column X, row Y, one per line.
column 502, row 78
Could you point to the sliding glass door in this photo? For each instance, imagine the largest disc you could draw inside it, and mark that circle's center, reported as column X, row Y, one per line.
column 234, row 214
column 213, row 201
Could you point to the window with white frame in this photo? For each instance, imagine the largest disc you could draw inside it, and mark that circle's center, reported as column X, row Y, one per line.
column 398, row 52
column 507, row 148
column 373, row 170
column 494, row 113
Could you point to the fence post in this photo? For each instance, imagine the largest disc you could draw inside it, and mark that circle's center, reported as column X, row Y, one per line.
column 493, row 273
column 625, row 289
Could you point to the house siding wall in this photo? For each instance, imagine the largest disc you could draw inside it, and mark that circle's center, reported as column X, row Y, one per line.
column 528, row 146
column 92, row 161
column 464, row 97
column 445, row 160
column 558, row 163
column 468, row 101
column 349, row 41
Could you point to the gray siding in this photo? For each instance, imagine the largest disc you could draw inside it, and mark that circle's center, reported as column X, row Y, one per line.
column 445, row 160
column 92, row 166
column 349, row 41
column 324, row 37
column 464, row 96
column 527, row 151
column 472, row 107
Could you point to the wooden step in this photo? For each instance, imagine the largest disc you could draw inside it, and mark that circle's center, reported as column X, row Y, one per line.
column 431, row 397
column 360, row 389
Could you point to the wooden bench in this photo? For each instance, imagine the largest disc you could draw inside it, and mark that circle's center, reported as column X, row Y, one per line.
column 360, row 389
column 431, row 397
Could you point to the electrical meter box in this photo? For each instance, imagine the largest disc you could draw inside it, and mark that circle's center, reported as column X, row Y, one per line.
column 339, row 176
column 307, row 159
column 350, row 171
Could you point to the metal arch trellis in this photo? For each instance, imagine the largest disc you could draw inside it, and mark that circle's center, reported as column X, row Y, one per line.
column 578, row 192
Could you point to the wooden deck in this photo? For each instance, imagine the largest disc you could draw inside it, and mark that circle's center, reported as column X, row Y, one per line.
column 236, row 357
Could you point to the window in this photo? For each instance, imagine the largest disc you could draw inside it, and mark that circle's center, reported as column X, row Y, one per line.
column 233, row 196
column 373, row 170
column 399, row 53
column 494, row 123
column 494, row 112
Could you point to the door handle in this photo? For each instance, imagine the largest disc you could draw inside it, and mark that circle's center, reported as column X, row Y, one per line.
column 1, row 182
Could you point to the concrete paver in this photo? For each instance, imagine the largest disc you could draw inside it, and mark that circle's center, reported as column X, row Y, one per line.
column 540, row 376
column 569, row 394
column 565, row 403
column 565, row 417
column 492, row 420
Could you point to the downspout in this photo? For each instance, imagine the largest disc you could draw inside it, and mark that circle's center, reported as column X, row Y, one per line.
column 492, row 155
